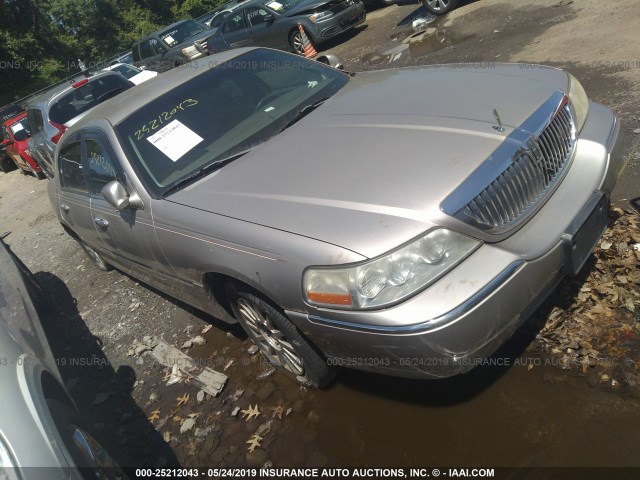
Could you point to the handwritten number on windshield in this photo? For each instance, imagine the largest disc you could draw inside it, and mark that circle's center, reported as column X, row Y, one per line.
column 163, row 118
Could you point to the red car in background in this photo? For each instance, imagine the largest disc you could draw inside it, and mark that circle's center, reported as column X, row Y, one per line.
column 16, row 135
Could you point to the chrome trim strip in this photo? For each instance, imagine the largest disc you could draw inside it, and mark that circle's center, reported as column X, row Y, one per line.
column 434, row 323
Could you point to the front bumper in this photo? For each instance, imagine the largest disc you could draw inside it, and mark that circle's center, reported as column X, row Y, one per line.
column 452, row 326
column 340, row 22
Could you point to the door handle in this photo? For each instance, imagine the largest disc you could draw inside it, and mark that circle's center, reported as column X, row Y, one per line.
column 64, row 208
column 101, row 222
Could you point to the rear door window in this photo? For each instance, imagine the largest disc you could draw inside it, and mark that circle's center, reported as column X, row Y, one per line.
column 147, row 48
column 36, row 124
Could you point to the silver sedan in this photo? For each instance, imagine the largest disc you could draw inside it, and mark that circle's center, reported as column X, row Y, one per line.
column 346, row 219
column 42, row 435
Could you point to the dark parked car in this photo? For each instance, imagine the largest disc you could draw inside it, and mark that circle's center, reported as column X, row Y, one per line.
column 413, row 240
column 225, row 7
column 16, row 134
column 53, row 112
column 274, row 23
column 39, row 426
column 177, row 44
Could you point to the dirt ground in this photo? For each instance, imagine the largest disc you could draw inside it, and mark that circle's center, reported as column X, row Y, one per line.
column 97, row 316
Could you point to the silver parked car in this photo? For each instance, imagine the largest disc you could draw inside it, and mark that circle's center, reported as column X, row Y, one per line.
column 42, row 436
column 346, row 219
column 53, row 112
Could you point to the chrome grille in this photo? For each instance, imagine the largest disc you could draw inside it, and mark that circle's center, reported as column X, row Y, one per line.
column 534, row 170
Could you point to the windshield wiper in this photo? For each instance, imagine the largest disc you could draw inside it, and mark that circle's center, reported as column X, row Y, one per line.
column 201, row 172
column 304, row 111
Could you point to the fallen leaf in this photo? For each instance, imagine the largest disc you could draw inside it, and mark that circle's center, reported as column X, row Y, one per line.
column 254, row 442
column 251, row 412
column 182, row 400
column 155, row 415
column 277, row 411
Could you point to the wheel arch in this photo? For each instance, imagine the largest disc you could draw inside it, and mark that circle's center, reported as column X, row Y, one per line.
column 217, row 284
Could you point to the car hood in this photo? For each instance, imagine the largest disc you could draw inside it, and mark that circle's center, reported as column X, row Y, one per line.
column 369, row 168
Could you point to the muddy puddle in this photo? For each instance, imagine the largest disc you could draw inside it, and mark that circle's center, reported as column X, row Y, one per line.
column 420, row 38
column 518, row 413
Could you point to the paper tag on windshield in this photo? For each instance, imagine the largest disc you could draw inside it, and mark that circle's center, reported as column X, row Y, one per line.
column 169, row 39
column 275, row 6
column 175, row 139
column 17, row 127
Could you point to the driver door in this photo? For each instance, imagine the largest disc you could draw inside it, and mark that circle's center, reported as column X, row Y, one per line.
column 128, row 233
column 234, row 30
column 264, row 28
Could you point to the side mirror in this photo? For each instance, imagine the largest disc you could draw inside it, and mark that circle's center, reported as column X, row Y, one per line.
column 268, row 18
column 331, row 60
column 115, row 193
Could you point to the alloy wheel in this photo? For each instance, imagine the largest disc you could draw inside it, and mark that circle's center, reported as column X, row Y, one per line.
column 438, row 5
column 297, row 43
column 271, row 341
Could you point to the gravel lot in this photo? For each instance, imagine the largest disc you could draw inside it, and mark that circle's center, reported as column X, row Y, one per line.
column 98, row 316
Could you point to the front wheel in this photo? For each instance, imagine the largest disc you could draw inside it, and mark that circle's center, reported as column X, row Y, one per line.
column 440, row 7
column 278, row 339
column 296, row 43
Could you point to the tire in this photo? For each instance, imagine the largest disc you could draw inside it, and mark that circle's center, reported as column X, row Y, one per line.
column 41, row 175
column 94, row 256
column 295, row 42
column 440, row 7
column 94, row 460
column 278, row 339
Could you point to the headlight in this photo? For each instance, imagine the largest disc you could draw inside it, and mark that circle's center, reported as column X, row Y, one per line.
column 190, row 51
column 579, row 100
column 8, row 467
column 391, row 277
column 321, row 16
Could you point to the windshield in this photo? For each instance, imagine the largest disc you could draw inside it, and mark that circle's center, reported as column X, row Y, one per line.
column 79, row 100
column 20, row 126
column 282, row 6
column 179, row 33
column 126, row 70
column 221, row 112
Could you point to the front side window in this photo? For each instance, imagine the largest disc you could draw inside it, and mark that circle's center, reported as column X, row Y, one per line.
column 220, row 113
column 102, row 167
column 234, row 21
column 71, row 172
column 257, row 15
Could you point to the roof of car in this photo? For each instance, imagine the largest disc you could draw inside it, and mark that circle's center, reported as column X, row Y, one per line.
column 124, row 104
column 49, row 95
column 15, row 119
column 157, row 32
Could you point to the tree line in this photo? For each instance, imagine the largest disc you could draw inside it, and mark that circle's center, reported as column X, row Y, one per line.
column 41, row 41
